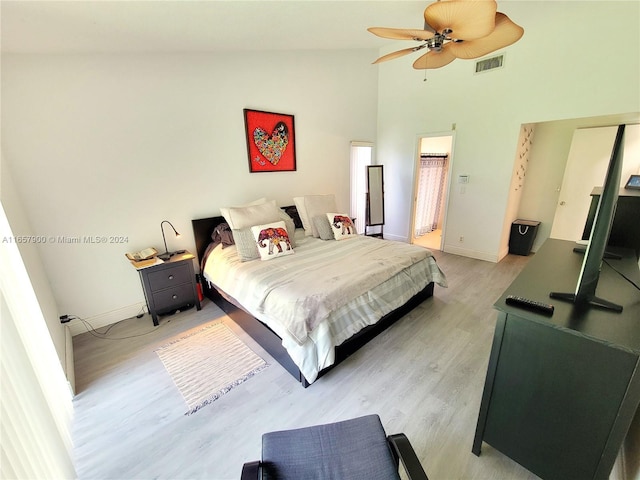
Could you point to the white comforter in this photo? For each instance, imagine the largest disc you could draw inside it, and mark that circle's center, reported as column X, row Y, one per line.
column 326, row 291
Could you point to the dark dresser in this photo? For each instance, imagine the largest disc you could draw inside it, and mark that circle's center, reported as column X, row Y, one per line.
column 561, row 391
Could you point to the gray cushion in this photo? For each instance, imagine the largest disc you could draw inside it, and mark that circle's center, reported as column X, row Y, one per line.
column 245, row 244
column 353, row 449
column 323, row 226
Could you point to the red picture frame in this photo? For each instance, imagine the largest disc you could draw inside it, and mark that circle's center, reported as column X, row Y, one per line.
column 270, row 141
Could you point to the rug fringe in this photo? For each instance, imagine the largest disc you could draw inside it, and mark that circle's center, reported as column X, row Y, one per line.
column 212, row 398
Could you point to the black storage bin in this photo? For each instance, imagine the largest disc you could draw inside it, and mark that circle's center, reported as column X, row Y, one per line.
column 523, row 233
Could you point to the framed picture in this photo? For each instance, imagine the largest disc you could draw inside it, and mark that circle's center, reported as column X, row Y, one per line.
column 270, row 141
column 633, row 182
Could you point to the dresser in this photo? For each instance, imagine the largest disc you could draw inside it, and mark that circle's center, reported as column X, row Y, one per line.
column 170, row 285
column 561, row 391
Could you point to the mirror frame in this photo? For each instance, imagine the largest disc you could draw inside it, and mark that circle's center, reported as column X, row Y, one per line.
column 375, row 195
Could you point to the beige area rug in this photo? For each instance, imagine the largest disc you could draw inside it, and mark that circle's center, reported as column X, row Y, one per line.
column 208, row 363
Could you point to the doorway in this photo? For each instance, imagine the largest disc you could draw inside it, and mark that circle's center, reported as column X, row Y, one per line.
column 431, row 182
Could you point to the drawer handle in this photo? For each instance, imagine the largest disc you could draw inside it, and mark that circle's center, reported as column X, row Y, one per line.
column 174, row 296
column 170, row 277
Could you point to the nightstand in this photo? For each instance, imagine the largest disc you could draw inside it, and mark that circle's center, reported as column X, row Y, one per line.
column 169, row 285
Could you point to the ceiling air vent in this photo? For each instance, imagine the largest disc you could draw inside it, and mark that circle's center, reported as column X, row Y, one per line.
column 490, row 63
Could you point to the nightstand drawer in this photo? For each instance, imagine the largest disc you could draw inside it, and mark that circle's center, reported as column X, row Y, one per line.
column 167, row 277
column 172, row 298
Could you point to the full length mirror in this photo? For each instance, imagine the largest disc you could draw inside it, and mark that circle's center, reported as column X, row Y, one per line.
column 375, row 196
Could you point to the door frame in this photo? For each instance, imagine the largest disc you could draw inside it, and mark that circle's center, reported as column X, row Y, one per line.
column 414, row 194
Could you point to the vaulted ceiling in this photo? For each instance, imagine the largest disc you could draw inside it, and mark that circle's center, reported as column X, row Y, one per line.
column 199, row 26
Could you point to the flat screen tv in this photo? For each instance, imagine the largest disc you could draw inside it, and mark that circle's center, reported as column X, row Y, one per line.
column 585, row 294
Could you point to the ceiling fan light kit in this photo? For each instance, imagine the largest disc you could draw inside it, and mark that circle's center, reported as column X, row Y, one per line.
column 454, row 29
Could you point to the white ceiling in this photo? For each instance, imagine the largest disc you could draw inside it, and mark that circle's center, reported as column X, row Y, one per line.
column 199, row 26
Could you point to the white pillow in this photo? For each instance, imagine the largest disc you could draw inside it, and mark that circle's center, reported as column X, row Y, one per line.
column 224, row 211
column 245, row 217
column 302, row 213
column 318, row 205
column 272, row 240
column 342, row 226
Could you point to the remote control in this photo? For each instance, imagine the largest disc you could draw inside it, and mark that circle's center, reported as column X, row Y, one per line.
column 540, row 307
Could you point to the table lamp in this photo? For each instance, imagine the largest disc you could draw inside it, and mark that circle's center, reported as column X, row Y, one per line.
column 166, row 255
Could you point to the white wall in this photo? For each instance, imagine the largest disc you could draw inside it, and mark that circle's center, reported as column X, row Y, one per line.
column 35, row 398
column 30, row 254
column 548, row 75
column 546, row 170
column 111, row 145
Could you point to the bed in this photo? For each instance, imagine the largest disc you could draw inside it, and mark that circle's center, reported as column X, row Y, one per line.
column 312, row 314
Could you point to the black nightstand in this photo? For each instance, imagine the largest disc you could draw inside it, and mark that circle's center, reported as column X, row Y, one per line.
column 169, row 285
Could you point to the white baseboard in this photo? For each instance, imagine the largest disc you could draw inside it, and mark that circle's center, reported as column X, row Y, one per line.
column 465, row 252
column 77, row 326
column 397, row 238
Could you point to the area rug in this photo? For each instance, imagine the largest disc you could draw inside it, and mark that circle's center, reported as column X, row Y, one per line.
column 208, row 363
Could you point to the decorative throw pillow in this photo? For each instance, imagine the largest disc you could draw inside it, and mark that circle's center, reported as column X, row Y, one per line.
column 321, row 222
column 319, row 205
column 342, row 226
column 272, row 240
column 245, row 244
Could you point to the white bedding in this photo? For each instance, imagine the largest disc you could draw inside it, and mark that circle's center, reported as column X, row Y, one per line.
column 325, row 292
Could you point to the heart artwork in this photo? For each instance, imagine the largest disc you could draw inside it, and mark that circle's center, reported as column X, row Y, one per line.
column 272, row 147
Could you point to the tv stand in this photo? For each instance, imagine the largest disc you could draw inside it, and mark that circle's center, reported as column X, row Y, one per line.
column 591, row 301
column 561, row 392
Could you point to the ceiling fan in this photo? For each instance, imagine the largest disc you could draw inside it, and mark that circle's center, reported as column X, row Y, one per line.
column 454, row 29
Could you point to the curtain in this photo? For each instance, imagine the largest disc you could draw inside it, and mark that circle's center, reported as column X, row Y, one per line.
column 431, row 180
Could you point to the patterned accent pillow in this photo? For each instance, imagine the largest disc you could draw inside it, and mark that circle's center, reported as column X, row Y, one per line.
column 245, row 244
column 342, row 226
column 321, row 222
column 272, row 240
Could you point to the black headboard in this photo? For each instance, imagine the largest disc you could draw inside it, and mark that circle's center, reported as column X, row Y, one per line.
column 202, row 230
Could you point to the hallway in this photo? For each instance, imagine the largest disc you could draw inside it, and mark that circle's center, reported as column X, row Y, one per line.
column 430, row 240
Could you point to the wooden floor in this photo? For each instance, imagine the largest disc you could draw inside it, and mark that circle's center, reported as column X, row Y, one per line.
column 424, row 377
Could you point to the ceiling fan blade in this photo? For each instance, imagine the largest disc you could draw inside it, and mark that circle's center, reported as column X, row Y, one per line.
column 399, row 53
column 401, row 33
column 434, row 59
column 505, row 33
column 466, row 19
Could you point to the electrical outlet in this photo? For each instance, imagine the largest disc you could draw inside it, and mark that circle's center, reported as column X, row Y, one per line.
column 64, row 319
column 461, row 239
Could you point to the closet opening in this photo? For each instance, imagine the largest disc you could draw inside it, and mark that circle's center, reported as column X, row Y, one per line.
column 431, row 186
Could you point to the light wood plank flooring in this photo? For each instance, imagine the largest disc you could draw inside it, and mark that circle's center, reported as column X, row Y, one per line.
column 424, row 377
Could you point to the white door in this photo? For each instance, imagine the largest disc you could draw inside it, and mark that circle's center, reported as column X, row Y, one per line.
column 587, row 163
column 586, row 168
